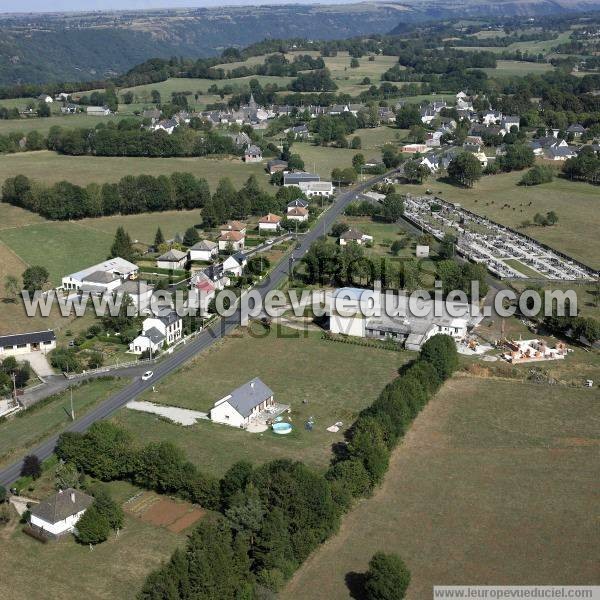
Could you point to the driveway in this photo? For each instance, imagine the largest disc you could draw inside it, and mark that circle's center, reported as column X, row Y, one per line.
column 39, row 363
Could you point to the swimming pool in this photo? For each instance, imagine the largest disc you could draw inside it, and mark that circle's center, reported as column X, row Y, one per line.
column 281, row 428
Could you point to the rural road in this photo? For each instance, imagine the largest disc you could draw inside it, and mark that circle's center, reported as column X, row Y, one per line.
column 208, row 337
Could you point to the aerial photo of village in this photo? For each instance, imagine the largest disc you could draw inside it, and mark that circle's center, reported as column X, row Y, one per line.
column 299, row 300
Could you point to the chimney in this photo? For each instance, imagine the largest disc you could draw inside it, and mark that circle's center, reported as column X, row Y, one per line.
column 73, row 497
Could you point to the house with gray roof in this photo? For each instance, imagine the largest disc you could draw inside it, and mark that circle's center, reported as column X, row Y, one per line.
column 173, row 259
column 166, row 328
column 243, row 404
column 22, row 343
column 59, row 513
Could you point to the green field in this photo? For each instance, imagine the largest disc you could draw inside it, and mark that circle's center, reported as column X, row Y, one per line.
column 517, row 67
column 315, row 377
column 575, row 203
column 20, row 433
column 61, row 247
column 43, row 125
column 142, row 227
column 50, row 167
column 116, row 568
column 495, row 483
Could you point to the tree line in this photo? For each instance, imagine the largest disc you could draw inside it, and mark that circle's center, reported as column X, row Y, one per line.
column 268, row 518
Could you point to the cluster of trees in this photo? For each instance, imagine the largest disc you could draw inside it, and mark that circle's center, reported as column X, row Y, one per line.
column 228, row 203
column 584, row 167
column 314, row 81
column 465, row 169
column 516, row 158
column 19, row 142
column 576, row 327
column 107, row 452
column 100, row 518
column 273, row 516
column 130, row 195
column 9, row 368
column 458, row 276
column 549, row 219
column 537, row 175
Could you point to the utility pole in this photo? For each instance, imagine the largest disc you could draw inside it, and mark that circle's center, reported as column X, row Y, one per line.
column 72, row 409
column 14, row 380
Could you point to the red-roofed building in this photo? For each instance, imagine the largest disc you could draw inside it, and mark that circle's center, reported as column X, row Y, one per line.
column 232, row 239
column 269, row 222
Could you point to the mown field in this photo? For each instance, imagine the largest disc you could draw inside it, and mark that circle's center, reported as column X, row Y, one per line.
column 494, row 484
column 318, row 378
column 116, row 568
column 575, row 203
column 50, row 167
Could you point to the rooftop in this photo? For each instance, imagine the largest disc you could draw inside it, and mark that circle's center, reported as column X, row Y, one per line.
column 61, row 505
column 248, row 396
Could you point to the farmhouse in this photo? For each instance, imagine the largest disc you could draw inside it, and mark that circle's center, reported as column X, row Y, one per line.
column 243, row 404
column 354, row 236
column 203, row 250
column 234, row 264
column 23, row 343
column 269, row 222
column 156, row 331
column 98, row 111
column 297, row 214
column 168, row 125
column 321, row 189
column 414, row 148
column 173, row 259
column 233, row 226
column 297, row 203
column 253, row 154
column 234, row 240
column 116, row 269
column 59, row 513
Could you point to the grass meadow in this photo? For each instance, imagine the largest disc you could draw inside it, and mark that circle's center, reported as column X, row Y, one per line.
column 318, row 378
column 116, row 568
column 50, row 167
column 494, row 483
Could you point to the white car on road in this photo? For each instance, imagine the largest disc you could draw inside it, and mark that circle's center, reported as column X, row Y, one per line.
column 147, row 375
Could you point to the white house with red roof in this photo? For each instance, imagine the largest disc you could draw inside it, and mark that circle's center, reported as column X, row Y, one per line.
column 269, row 222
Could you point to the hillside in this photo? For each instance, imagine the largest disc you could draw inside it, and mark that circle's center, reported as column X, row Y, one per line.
column 92, row 46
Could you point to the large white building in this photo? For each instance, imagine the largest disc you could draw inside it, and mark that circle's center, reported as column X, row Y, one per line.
column 371, row 314
column 59, row 513
column 106, row 276
column 319, row 189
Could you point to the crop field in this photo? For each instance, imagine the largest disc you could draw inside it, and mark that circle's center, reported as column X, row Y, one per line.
column 494, row 483
column 116, row 568
column 574, row 202
column 292, row 363
column 50, row 167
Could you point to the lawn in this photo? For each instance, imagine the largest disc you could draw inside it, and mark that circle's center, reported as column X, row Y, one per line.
column 575, row 203
column 318, row 378
column 495, row 484
column 50, row 167
column 21, row 433
column 142, row 227
column 61, row 247
column 322, row 160
column 115, row 569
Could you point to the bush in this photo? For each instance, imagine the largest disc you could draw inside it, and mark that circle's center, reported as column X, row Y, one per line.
column 440, row 351
column 537, row 175
column 32, row 467
column 387, row 578
column 93, row 527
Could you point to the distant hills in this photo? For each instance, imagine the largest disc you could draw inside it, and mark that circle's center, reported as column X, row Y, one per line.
column 91, row 46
